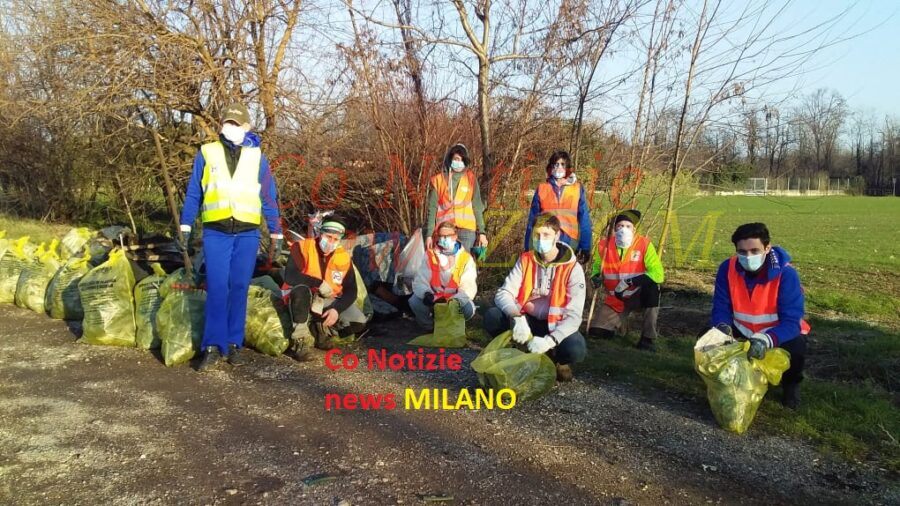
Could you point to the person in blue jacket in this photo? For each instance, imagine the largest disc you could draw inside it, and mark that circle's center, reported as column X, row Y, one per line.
column 758, row 297
column 563, row 196
column 232, row 188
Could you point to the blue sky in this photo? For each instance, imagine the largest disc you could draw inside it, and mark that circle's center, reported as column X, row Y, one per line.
column 866, row 69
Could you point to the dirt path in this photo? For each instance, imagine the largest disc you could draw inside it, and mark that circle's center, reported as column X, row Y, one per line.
column 89, row 425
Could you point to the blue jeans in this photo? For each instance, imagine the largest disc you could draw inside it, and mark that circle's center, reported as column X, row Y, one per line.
column 230, row 261
column 572, row 349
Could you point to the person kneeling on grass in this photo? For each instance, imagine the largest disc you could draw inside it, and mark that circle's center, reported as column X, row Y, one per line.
column 447, row 272
column 543, row 296
column 323, row 291
column 626, row 268
column 758, row 295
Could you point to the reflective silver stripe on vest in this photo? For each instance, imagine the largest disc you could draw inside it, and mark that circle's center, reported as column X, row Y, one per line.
column 760, row 318
column 623, row 276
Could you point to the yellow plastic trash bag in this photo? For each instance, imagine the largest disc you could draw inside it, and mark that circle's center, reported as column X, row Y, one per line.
column 449, row 327
column 31, row 289
column 735, row 384
column 63, row 302
column 530, row 375
column 147, row 300
column 16, row 258
column 180, row 324
column 73, row 242
column 107, row 297
column 179, row 279
column 268, row 322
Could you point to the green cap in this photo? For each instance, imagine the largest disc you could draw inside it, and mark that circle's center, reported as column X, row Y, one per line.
column 238, row 113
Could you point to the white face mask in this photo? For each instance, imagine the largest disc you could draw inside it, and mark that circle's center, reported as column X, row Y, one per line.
column 624, row 236
column 327, row 246
column 233, row 133
column 457, row 165
column 752, row 263
column 447, row 244
column 559, row 173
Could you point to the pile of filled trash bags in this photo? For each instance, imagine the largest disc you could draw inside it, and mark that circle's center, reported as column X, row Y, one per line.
column 89, row 276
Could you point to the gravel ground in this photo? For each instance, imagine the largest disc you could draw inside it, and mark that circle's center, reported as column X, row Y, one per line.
column 90, row 425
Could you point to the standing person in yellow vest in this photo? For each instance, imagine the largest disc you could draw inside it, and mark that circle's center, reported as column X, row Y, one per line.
column 543, row 296
column 563, row 196
column 233, row 187
column 454, row 195
column 447, row 272
column 324, row 291
column 628, row 270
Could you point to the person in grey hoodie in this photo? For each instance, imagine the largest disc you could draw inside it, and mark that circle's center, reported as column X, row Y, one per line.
column 543, row 296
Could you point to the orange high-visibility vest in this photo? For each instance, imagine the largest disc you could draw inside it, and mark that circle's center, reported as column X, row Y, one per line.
column 559, row 287
column 616, row 269
column 757, row 311
column 565, row 207
column 457, row 207
column 336, row 268
column 437, row 286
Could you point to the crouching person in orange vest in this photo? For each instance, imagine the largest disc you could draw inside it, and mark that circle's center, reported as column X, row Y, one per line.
column 448, row 272
column 628, row 270
column 758, row 297
column 543, row 296
column 323, row 291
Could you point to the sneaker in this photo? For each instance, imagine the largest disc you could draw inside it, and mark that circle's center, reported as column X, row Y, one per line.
column 646, row 344
column 302, row 342
column 235, row 357
column 563, row 372
column 211, row 357
column 791, row 395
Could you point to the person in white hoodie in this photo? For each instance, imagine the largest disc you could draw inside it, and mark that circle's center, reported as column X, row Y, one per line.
column 543, row 296
column 447, row 272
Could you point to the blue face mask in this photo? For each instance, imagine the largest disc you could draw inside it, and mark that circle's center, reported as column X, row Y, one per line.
column 326, row 246
column 752, row 263
column 542, row 246
column 457, row 165
column 447, row 244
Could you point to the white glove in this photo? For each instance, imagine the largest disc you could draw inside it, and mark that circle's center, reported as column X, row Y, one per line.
column 521, row 330
column 540, row 344
column 325, row 290
column 622, row 286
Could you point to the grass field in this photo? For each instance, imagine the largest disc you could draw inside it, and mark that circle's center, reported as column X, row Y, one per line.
column 847, row 250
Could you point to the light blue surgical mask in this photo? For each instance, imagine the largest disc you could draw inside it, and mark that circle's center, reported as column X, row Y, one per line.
column 542, row 246
column 752, row 263
column 447, row 244
column 457, row 165
column 326, row 246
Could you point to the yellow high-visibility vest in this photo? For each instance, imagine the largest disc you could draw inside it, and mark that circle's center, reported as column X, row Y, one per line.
column 226, row 196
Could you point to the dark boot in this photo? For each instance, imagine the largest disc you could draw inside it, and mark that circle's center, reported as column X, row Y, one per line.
column 646, row 344
column 598, row 333
column 211, row 357
column 235, row 357
column 791, row 395
column 302, row 342
column 324, row 336
column 563, row 372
